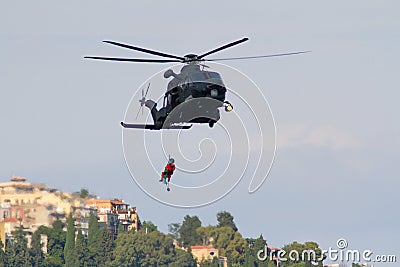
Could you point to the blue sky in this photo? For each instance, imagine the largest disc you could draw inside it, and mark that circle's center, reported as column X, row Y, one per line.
column 336, row 109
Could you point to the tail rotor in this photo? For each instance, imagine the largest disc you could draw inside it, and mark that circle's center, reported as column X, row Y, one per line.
column 142, row 101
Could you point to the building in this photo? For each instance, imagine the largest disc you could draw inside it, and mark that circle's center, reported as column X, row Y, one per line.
column 112, row 213
column 207, row 253
column 33, row 205
column 81, row 216
column 28, row 205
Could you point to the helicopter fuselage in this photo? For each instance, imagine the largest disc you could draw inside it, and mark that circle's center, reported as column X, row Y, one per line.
column 191, row 84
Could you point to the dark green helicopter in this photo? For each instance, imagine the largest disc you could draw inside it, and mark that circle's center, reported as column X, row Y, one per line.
column 193, row 96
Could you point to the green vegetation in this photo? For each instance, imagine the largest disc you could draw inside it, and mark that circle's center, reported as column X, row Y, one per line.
column 187, row 231
column 84, row 193
column 148, row 226
column 147, row 247
column 36, row 250
column 70, row 243
column 225, row 219
column 304, row 257
column 81, row 251
column 2, row 255
column 225, row 237
column 17, row 253
column 151, row 249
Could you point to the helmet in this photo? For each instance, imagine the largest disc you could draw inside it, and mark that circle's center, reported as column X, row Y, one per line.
column 171, row 160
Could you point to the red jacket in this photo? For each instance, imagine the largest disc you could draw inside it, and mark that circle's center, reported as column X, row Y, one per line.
column 169, row 170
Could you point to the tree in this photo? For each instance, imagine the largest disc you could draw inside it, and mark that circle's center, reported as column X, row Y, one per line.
column 183, row 258
column 207, row 263
column 251, row 257
column 2, row 254
column 313, row 246
column 83, row 193
column 229, row 260
column 69, row 247
column 236, row 248
column 149, row 249
column 100, row 244
column 207, row 234
column 18, row 248
column 120, row 228
column 9, row 253
column 215, row 262
column 55, row 244
column 139, row 224
column 105, row 248
column 80, row 251
column 36, row 249
column 149, row 226
column 223, row 236
column 173, row 229
column 187, row 232
column 249, row 260
column 260, row 244
column 93, row 238
column 225, row 219
column 304, row 252
column 93, row 229
column 154, row 249
column 124, row 252
column 295, row 246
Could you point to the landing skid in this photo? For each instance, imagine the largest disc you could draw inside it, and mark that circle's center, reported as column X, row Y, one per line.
column 153, row 127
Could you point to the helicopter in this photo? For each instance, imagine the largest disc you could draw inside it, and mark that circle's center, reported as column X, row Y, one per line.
column 193, row 96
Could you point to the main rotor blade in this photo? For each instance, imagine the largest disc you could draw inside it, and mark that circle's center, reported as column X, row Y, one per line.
column 251, row 57
column 135, row 59
column 223, row 47
column 148, row 87
column 144, row 50
column 137, row 114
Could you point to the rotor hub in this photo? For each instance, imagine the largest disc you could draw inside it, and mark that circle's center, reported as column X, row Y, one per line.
column 190, row 57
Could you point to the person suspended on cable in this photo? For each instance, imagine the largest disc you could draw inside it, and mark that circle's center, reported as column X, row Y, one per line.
column 168, row 171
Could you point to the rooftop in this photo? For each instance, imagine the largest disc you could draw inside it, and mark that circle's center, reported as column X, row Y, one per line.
column 18, row 179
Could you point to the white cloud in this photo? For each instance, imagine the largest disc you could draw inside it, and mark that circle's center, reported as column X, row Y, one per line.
column 328, row 136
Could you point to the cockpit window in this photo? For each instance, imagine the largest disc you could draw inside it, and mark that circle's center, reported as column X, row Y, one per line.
column 214, row 75
column 198, row 76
